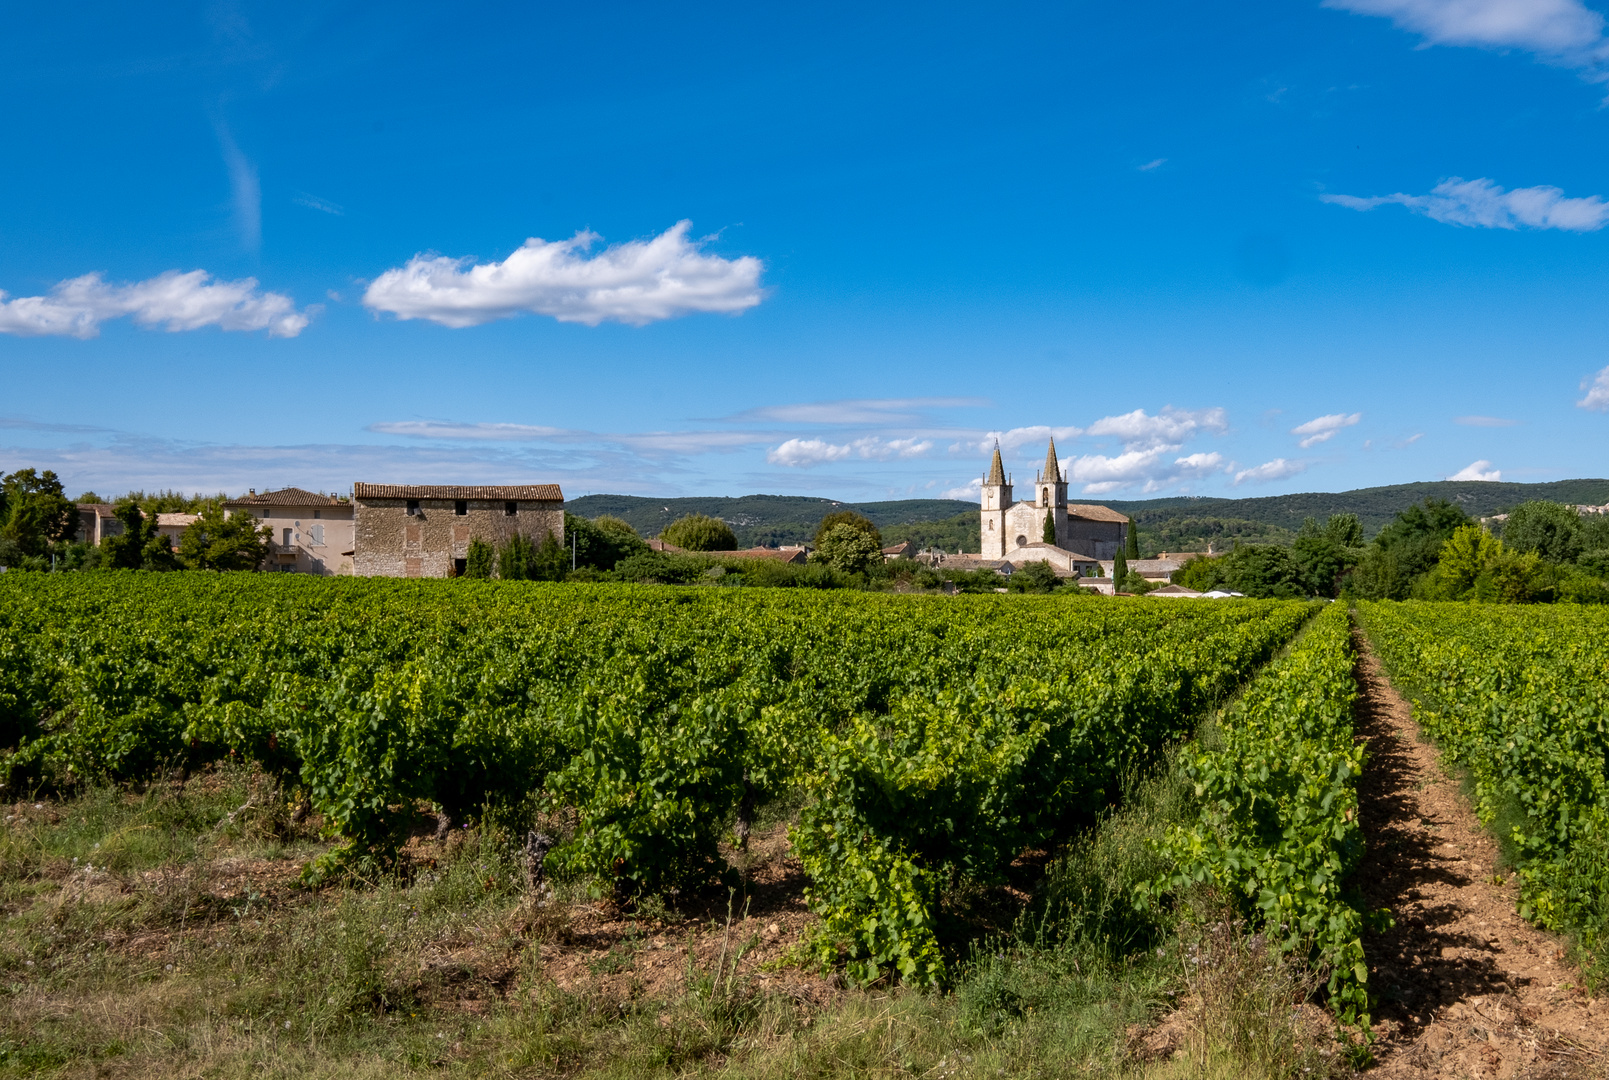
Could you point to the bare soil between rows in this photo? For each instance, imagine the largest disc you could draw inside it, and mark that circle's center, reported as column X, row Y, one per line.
column 1464, row 987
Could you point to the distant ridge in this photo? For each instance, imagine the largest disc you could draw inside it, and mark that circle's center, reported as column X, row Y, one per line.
column 773, row 519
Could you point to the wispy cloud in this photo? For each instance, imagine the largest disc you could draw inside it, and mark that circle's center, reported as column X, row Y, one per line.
column 176, row 301
column 1478, row 470
column 858, row 410
column 1484, row 421
column 1278, row 469
column 1563, row 32
column 246, row 190
column 1324, row 428
column 1597, row 388
column 638, row 282
column 313, row 202
column 803, row 453
column 1149, row 165
column 1484, row 204
column 439, row 429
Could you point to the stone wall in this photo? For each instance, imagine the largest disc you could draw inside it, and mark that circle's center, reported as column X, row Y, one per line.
column 1097, row 539
column 390, row 542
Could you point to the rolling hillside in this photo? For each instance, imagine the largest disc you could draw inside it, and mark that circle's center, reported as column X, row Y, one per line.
column 1181, row 521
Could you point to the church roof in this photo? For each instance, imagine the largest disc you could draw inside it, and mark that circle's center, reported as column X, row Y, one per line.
column 997, row 469
column 1092, row 512
column 1052, row 466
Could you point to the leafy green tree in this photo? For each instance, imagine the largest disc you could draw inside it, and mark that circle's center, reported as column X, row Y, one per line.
column 1133, row 548
column 858, row 521
column 481, row 559
column 1552, row 530
column 1261, row 570
column 848, row 548
column 215, row 542
column 699, row 532
column 139, row 546
column 34, row 511
column 601, row 543
column 1326, row 554
column 1406, row 550
column 1048, row 533
column 1034, row 577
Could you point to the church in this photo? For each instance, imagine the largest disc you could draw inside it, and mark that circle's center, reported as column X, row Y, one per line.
column 1012, row 530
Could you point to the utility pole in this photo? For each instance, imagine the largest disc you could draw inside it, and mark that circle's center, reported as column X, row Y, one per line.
column 572, row 549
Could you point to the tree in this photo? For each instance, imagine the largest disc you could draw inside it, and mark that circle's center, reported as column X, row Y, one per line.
column 1261, row 570
column 1406, row 550
column 848, row 548
column 139, row 546
column 1048, row 533
column 850, row 518
column 1034, row 577
column 1326, row 554
column 1120, row 571
column 215, row 542
column 698, row 532
column 603, row 542
column 1552, row 530
column 1133, row 548
column 34, row 511
column 481, row 559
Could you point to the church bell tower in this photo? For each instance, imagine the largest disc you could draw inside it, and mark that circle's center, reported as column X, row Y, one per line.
column 996, row 501
column 1050, row 495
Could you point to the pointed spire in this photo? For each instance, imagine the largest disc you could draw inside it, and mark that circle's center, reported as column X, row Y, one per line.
column 1052, row 467
column 997, row 470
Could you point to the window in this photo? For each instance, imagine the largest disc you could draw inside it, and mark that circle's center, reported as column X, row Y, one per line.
column 413, row 507
column 459, row 566
column 511, row 508
column 318, row 513
column 265, row 515
column 286, row 541
column 461, row 507
column 318, row 535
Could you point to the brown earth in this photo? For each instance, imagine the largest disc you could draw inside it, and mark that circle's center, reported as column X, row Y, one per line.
column 1464, row 986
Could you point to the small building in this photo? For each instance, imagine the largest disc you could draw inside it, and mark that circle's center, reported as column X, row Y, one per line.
column 902, row 550
column 656, row 544
column 310, row 533
column 172, row 526
column 1176, row 592
column 97, row 521
column 1149, row 569
column 424, row 530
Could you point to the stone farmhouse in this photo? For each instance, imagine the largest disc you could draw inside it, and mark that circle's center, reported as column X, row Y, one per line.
column 1008, row 529
column 310, row 533
column 402, row 530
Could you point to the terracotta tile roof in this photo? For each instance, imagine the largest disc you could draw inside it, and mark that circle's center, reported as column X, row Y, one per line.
column 172, row 520
column 786, row 554
column 291, row 496
column 514, row 492
column 104, row 510
column 1091, row 512
column 1041, row 546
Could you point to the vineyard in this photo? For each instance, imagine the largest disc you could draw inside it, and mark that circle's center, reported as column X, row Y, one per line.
column 1519, row 698
column 934, row 739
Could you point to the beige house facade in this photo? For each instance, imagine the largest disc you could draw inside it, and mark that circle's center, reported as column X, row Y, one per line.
column 310, row 533
column 402, row 530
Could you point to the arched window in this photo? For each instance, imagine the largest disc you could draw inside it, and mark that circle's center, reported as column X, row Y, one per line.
column 1046, row 501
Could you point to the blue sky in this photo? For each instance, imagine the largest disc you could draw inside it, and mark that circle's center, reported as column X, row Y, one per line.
column 1248, row 248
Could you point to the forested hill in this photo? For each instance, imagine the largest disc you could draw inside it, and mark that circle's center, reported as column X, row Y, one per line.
column 766, row 519
column 1374, row 506
column 776, row 519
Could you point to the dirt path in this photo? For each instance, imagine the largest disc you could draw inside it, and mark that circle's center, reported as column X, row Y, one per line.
column 1465, row 987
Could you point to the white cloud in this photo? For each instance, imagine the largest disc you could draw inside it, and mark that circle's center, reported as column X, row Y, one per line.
column 188, row 301
column 1278, row 469
column 247, row 191
column 1565, row 31
column 1597, row 390
column 1323, row 428
column 1157, row 164
column 637, row 282
column 803, row 453
column 1169, row 426
column 437, row 429
column 1016, row 438
column 313, row 202
column 1196, row 465
column 1478, row 470
column 972, row 491
column 1484, row 204
column 1484, row 421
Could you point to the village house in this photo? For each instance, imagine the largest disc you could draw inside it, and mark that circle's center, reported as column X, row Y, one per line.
column 97, row 521
column 405, row 530
column 309, row 533
column 797, row 553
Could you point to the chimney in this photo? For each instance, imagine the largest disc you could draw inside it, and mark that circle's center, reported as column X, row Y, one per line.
column 254, row 491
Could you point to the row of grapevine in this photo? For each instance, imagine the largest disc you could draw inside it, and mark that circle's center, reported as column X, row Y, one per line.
column 935, row 737
column 1278, row 824
column 1520, row 697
